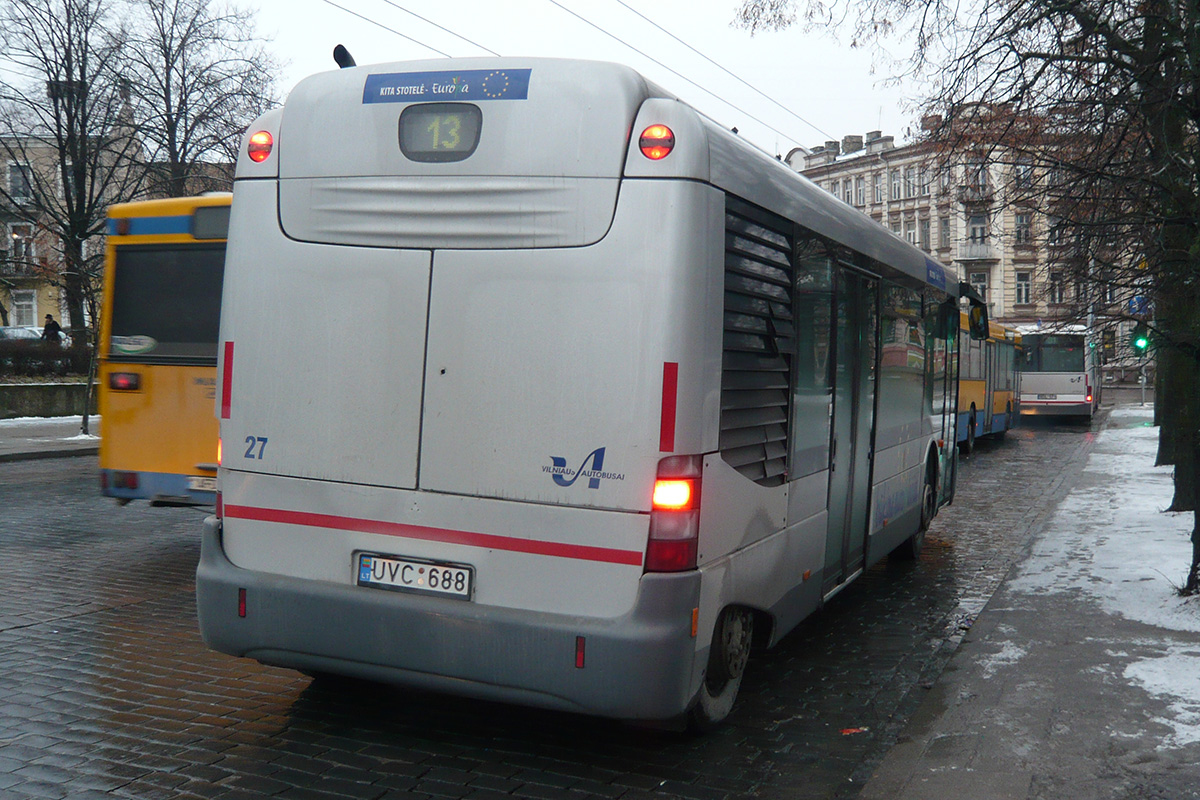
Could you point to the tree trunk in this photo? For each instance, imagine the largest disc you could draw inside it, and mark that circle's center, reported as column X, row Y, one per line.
column 1192, row 585
column 1167, row 405
column 74, row 285
column 1188, row 421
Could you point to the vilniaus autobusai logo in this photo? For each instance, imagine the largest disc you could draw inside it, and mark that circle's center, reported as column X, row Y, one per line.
column 565, row 476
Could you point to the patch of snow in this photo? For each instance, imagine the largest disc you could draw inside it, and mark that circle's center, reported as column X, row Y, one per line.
column 1176, row 676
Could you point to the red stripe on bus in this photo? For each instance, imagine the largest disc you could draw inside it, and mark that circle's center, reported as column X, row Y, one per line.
column 670, row 398
column 401, row 530
column 227, row 381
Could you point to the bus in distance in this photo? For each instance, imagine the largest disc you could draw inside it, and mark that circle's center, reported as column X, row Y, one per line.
column 989, row 383
column 1060, row 371
column 637, row 396
column 158, row 349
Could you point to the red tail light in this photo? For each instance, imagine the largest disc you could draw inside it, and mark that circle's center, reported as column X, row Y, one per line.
column 125, row 381
column 657, row 142
column 260, row 146
column 674, row 494
column 675, row 516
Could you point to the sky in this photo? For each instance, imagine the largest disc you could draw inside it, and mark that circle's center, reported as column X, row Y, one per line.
column 816, row 88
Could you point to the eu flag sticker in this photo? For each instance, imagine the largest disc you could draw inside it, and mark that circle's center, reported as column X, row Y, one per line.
column 471, row 84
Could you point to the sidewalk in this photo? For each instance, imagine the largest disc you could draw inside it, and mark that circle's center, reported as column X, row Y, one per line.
column 1080, row 680
column 47, row 437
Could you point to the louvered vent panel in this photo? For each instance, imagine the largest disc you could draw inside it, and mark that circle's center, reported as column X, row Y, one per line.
column 759, row 333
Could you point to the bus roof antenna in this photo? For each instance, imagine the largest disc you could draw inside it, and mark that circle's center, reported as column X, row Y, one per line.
column 343, row 58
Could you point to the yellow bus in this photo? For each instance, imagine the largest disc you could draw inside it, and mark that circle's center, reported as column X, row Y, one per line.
column 989, row 384
column 163, row 272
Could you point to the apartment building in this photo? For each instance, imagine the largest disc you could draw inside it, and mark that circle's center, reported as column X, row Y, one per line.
column 957, row 209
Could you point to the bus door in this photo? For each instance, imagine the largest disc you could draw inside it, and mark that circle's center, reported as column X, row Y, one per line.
column 856, row 317
column 991, row 381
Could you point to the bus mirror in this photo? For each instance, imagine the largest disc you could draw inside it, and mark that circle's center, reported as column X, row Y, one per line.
column 977, row 319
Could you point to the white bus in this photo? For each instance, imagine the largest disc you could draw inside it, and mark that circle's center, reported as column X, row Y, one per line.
column 1060, row 371
column 538, row 386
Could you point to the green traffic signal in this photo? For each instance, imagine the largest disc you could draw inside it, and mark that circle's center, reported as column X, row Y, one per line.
column 1140, row 340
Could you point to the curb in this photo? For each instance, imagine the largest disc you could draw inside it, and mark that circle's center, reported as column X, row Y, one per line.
column 33, row 455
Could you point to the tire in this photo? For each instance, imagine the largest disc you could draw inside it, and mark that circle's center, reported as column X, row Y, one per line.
column 970, row 446
column 953, row 487
column 910, row 548
column 1008, row 422
column 727, row 657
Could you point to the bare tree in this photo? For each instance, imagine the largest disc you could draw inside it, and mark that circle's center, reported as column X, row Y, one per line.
column 67, row 132
column 199, row 77
column 1104, row 97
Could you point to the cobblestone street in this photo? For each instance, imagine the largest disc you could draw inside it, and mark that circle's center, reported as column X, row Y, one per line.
column 106, row 689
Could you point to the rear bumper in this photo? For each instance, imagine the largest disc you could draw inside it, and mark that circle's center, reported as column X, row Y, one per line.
column 158, row 487
column 643, row 665
column 1032, row 408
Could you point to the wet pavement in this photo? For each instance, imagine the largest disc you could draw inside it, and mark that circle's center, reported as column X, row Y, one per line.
column 106, row 689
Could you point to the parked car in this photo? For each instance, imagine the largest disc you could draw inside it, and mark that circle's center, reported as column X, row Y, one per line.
column 20, row 332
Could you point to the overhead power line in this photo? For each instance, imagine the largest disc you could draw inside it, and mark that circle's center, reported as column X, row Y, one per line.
column 674, row 72
column 439, row 27
column 731, row 74
column 386, row 28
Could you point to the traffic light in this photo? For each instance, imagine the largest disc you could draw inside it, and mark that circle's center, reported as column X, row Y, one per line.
column 1140, row 340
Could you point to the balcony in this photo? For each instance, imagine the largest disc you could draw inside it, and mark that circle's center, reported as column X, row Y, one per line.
column 977, row 251
column 975, row 193
column 18, row 268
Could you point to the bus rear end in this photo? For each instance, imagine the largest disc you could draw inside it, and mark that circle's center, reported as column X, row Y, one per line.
column 459, row 347
column 1058, row 375
column 158, row 348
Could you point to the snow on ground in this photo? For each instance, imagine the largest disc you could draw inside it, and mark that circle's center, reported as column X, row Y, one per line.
column 1110, row 538
column 1111, row 541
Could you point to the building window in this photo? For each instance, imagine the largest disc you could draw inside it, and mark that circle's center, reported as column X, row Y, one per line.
column 1024, row 286
column 1023, row 228
column 943, row 231
column 979, row 282
column 895, row 184
column 910, row 232
column 896, row 226
column 1058, row 289
column 847, row 191
column 923, row 180
column 947, row 176
column 1023, row 176
column 860, row 191
column 910, row 182
column 1108, row 346
column 1054, row 230
column 924, row 236
column 977, row 174
column 977, row 228
column 19, row 187
column 24, row 307
column 877, row 182
column 20, row 243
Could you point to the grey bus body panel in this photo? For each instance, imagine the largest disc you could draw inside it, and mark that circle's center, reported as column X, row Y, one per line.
column 638, row 666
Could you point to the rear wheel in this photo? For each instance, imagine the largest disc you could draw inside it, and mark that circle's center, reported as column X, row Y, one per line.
column 970, row 447
column 727, row 657
column 910, row 549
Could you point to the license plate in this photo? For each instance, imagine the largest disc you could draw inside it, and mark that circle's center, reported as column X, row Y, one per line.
column 1047, row 397
column 202, row 483
column 410, row 575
